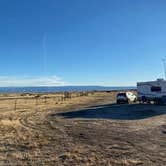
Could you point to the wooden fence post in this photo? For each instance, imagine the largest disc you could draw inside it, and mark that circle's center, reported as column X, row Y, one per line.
column 36, row 101
column 15, row 105
column 45, row 99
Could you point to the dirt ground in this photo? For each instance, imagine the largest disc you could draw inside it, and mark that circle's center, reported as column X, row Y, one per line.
column 84, row 130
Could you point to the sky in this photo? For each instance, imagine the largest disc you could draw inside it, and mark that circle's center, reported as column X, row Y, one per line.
column 81, row 42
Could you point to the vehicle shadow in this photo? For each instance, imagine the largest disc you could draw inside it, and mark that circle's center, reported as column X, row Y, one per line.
column 117, row 112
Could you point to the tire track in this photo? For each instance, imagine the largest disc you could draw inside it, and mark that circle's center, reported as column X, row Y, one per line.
column 43, row 125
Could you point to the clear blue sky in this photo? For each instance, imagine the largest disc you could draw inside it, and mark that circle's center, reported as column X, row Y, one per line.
column 81, row 42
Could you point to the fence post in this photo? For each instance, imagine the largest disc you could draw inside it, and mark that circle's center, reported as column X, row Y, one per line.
column 45, row 99
column 15, row 105
column 36, row 101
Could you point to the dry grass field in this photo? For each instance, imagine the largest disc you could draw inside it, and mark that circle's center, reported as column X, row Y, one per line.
column 82, row 129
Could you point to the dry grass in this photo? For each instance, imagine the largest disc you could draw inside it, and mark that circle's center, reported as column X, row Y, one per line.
column 32, row 134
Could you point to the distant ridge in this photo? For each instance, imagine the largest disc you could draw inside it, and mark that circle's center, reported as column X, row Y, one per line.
column 60, row 89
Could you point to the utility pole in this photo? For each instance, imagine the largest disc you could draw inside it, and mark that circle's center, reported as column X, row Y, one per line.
column 164, row 64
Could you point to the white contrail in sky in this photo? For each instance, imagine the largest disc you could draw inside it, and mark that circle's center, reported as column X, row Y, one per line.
column 44, row 54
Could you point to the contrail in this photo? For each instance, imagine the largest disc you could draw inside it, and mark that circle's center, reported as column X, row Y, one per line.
column 44, row 54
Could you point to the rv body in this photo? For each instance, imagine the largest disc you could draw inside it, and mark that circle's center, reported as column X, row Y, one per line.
column 152, row 91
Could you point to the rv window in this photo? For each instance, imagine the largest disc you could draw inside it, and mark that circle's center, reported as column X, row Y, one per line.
column 156, row 89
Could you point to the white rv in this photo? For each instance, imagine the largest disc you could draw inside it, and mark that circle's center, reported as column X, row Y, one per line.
column 152, row 91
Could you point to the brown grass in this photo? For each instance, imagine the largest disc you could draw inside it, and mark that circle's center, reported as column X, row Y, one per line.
column 32, row 134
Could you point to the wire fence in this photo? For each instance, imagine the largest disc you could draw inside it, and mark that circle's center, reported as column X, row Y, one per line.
column 36, row 100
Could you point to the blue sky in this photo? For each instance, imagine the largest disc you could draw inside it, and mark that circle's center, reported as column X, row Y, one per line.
column 81, row 42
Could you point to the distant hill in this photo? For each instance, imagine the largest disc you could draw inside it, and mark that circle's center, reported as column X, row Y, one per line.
column 59, row 89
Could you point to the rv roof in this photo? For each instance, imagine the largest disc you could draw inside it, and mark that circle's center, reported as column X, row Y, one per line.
column 147, row 82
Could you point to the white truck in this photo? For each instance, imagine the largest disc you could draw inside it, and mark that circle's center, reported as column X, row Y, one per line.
column 125, row 97
column 152, row 91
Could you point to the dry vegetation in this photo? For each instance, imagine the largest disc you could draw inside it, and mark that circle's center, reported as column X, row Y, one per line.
column 50, row 129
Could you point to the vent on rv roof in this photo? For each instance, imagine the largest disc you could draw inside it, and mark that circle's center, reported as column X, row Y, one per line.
column 156, row 89
column 160, row 79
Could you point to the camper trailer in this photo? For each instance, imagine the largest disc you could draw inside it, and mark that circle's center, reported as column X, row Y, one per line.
column 152, row 91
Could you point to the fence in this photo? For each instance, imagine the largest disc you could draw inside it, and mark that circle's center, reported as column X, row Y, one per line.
column 28, row 101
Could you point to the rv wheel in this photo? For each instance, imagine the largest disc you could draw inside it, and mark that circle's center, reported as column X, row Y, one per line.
column 159, row 102
column 144, row 100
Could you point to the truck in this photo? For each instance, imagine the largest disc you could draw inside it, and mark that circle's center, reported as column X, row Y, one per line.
column 125, row 97
column 152, row 91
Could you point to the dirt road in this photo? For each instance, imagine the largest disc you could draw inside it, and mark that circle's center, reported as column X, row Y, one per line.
column 88, row 130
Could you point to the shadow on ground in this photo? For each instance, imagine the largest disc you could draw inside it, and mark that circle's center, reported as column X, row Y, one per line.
column 117, row 112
